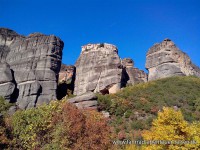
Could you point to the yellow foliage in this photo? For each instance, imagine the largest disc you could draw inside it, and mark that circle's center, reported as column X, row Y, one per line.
column 171, row 127
column 133, row 147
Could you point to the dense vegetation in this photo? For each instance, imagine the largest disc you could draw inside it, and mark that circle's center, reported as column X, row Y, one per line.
column 57, row 126
column 170, row 131
column 136, row 113
column 134, row 108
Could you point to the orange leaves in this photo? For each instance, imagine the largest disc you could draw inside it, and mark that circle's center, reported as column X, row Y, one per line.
column 84, row 129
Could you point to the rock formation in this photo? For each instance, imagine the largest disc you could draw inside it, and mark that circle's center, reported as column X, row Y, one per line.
column 98, row 69
column 7, row 85
column 86, row 100
column 133, row 75
column 29, row 67
column 66, row 73
column 66, row 81
column 166, row 60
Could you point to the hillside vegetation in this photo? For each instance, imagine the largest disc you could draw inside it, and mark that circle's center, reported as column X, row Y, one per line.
column 133, row 108
column 165, row 109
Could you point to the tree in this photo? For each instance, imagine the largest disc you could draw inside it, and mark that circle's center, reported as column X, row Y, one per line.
column 172, row 132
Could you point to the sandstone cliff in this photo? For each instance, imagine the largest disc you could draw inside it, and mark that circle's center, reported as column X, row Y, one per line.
column 29, row 67
column 165, row 60
column 98, row 69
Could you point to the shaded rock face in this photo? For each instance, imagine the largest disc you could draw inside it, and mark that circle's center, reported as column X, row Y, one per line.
column 132, row 75
column 98, row 69
column 166, row 60
column 31, row 65
column 66, row 81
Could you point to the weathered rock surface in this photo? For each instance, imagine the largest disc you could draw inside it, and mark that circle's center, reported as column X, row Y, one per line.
column 66, row 81
column 7, row 85
column 98, row 69
column 133, row 75
column 166, row 60
column 86, row 100
column 67, row 73
column 34, row 63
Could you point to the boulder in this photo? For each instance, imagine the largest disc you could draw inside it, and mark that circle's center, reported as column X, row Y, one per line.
column 35, row 62
column 86, row 100
column 165, row 59
column 98, row 69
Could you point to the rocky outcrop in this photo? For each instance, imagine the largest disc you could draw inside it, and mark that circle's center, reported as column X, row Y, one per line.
column 166, row 60
column 67, row 74
column 66, row 81
column 7, row 85
column 131, row 74
column 98, row 69
column 30, row 67
column 86, row 100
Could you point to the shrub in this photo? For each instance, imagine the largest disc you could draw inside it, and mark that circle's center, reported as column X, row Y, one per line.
column 4, row 129
column 4, row 105
column 60, row 125
column 31, row 127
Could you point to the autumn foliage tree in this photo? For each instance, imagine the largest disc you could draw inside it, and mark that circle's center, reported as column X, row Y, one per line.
column 60, row 125
column 171, row 126
column 80, row 129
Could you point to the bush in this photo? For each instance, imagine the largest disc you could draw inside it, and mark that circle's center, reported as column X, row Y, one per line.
column 4, row 105
column 60, row 125
column 5, row 135
column 31, row 128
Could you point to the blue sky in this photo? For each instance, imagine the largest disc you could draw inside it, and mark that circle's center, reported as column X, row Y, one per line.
column 132, row 25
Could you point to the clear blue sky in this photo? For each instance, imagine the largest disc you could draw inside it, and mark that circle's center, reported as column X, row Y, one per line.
column 132, row 25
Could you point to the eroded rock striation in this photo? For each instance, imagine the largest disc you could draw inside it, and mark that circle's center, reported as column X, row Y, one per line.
column 98, row 69
column 166, row 60
column 85, row 101
column 30, row 67
column 131, row 74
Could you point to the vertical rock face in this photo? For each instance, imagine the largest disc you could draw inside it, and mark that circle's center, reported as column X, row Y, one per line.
column 34, row 63
column 98, row 69
column 133, row 75
column 165, row 60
